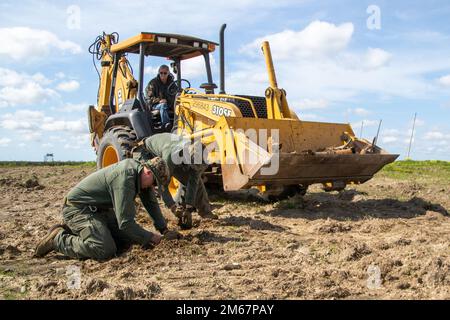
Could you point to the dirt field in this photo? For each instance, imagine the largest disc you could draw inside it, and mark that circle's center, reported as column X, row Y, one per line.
column 386, row 239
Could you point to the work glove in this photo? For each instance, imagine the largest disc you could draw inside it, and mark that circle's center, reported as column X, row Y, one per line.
column 156, row 239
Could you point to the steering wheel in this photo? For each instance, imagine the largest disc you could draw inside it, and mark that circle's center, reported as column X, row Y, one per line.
column 173, row 89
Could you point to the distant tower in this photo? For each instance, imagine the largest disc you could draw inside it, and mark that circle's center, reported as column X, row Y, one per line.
column 49, row 157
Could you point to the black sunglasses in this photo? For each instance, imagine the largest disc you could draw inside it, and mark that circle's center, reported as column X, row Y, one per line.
column 163, row 73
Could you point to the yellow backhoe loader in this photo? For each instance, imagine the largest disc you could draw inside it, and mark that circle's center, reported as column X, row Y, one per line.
column 252, row 141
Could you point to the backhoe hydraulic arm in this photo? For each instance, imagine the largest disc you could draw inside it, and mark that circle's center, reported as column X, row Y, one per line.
column 277, row 106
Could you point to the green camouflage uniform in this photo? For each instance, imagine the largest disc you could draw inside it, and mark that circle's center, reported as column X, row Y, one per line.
column 100, row 211
column 169, row 146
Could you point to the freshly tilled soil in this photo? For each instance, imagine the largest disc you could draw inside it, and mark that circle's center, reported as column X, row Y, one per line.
column 386, row 239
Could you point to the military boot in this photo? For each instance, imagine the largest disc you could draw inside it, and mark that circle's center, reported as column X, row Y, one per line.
column 185, row 222
column 46, row 245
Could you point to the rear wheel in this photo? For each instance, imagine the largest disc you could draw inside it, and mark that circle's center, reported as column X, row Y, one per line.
column 115, row 145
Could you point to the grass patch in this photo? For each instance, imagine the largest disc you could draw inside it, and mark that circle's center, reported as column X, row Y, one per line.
column 7, row 273
column 12, row 294
column 11, row 164
column 409, row 169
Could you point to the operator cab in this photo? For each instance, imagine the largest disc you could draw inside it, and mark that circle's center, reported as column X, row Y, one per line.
column 174, row 48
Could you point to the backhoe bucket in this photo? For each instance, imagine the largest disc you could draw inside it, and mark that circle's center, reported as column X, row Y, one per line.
column 255, row 152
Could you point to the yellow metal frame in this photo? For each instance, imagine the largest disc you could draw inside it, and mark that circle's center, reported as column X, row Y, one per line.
column 277, row 105
column 123, row 45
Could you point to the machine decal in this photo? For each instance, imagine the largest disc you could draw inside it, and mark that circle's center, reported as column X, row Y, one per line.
column 221, row 111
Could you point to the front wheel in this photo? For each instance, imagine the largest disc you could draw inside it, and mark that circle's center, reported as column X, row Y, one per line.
column 115, row 145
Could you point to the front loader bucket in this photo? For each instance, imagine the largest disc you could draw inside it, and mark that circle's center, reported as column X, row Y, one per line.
column 309, row 169
column 257, row 152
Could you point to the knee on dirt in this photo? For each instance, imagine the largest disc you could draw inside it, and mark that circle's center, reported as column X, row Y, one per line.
column 102, row 251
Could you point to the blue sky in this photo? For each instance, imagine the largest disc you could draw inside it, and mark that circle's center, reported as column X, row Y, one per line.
column 334, row 66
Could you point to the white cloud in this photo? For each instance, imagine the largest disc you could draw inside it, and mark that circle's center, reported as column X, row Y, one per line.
column 326, row 68
column 308, row 116
column 78, row 126
column 72, row 107
column 22, row 42
column 388, row 139
column 318, row 38
column 78, row 141
column 24, row 114
column 60, row 75
column 310, row 104
column 195, row 68
column 23, row 89
column 33, row 123
column 391, row 132
column 436, row 135
column 68, row 86
column 19, row 124
column 360, row 111
column 32, row 136
column 434, row 143
column 56, row 139
column 153, row 71
column 4, row 142
column 367, row 123
column 431, row 142
column 419, row 123
column 445, row 81
column 376, row 58
column 28, row 93
column 11, row 78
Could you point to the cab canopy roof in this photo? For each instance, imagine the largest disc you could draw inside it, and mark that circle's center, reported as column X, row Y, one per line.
column 172, row 46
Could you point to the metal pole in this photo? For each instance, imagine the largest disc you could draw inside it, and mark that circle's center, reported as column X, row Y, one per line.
column 412, row 135
column 269, row 65
column 378, row 131
column 112, row 91
column 141, row 74
column 222, row 59
column 362, row 126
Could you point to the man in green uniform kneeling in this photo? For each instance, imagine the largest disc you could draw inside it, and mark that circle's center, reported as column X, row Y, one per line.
column 99, row 213
column 179, row 155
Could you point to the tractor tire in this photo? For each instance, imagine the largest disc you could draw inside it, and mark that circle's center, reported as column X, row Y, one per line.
column 115, row 145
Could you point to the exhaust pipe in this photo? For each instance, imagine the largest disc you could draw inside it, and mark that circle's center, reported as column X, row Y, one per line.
column 222, row 59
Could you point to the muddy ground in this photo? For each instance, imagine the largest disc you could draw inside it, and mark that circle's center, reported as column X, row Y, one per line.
column 386, row 239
